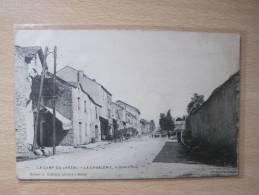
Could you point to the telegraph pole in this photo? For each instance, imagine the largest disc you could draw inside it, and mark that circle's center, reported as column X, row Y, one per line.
column 39, row 99
column 54, row 101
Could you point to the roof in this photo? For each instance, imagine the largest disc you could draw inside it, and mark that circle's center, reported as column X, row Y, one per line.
column 62, row 80
column 89, row 96
column 74, row 85
column 93, row 80
column 106, row 90
column 128, row 105
column 131, row 114
column 66, row 123
column 114, row 103
column 87, row 77
column 86, row 82
column 217, row 90
column 30, row 52
column 67, row 67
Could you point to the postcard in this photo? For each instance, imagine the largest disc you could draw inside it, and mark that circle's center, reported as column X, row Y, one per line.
column 126, row 103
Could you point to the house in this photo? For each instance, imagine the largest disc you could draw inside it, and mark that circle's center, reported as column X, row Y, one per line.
column 76, row 114
column 119, row 115
column 145, row 127
column 99, row 94
column 28, row 64
column 119, row 120
column 132, row 116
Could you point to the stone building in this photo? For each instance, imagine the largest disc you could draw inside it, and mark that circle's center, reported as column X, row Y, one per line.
column 216, row 122
column 28, row 64
column 145, row 127
column 99, row 94
column 132, row 116
column 77, row 114
column 119, row 115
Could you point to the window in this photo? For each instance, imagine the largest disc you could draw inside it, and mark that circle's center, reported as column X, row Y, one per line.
column 80, row 132
column 85, row 129
column 78, row 103
column 109, row 113
column 96, row 114
column 85, row 106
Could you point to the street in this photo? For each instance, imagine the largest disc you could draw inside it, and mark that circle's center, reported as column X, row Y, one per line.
column 142, row 157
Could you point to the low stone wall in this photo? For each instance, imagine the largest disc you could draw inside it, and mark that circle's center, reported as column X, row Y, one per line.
column 216, row 122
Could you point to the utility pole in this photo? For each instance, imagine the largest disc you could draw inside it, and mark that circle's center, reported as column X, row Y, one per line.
column 54, row 101
column 39, row 99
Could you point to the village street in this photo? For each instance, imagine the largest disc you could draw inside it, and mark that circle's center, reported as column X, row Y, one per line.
column 142, row 157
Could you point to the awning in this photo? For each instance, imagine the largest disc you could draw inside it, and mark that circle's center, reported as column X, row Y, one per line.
column 66, row 123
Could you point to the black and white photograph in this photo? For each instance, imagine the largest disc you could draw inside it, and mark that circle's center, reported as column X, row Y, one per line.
column 126, row 103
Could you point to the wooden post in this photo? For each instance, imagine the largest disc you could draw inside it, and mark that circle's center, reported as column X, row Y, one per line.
column 41, row 131
column 54, row 101
column 36, row 124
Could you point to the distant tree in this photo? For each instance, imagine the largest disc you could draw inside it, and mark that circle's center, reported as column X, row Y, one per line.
column 196, row 101
column 152, row 125
column 169, row 121
column 166, row 121
column 162, row 121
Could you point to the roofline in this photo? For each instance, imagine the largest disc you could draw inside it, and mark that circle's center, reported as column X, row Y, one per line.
column 106, row 90
column 117, row 105
column 67, row 67
column 89, row 96
column 129, row 105
column 131, row 114
column 60, row 79
column 215, row 91
column 87, row 77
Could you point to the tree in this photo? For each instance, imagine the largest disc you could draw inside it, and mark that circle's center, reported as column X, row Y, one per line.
column 196, row 101
column 169, row 121
column 162, row 121
column 166, row 121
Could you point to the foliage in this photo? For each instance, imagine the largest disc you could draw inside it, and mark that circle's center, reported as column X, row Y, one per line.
column 166, row 121
column 196, row 101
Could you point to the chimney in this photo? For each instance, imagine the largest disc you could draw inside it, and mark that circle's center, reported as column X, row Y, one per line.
column 80, row 74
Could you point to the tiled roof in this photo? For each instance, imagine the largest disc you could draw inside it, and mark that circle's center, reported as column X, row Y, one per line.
column 119, row 101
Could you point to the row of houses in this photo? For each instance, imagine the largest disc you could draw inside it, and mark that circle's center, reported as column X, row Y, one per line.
column 85, row 111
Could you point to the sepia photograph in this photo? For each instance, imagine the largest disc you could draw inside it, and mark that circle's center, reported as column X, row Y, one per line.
column 126, row 103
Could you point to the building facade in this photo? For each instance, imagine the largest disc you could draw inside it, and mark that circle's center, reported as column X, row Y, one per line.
column 77, row 114
column 132, row 116
column 99, row 94
column 145, row 127
column 119, row 114
column 28, row 64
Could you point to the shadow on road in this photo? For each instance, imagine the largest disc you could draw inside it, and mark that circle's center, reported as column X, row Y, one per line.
column 173, row 152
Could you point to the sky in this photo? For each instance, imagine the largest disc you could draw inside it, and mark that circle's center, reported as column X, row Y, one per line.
column 152, row 70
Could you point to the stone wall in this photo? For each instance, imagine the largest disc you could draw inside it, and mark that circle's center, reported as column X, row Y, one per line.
column 64, row 107
column 23, row 80
column 64, row 98
column 216, row 122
